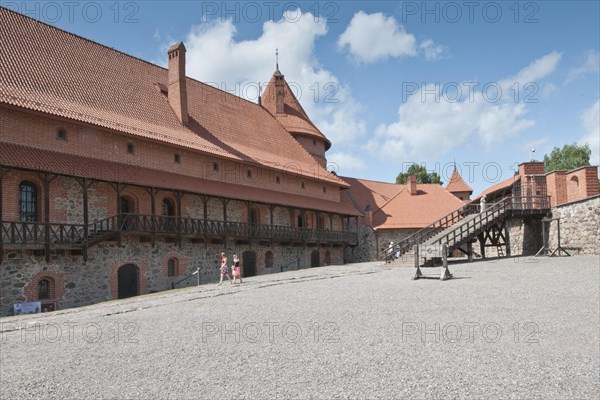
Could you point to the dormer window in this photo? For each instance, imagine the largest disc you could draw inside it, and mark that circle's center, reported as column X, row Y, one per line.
column 130, row 148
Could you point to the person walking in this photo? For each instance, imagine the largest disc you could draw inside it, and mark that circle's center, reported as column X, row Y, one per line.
column 224, row 269
column 482, row 204
column 237, row 273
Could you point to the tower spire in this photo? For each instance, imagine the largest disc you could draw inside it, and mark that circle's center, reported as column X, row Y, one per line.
column 277, row 59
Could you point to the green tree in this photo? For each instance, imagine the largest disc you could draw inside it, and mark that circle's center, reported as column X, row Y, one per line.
column 571, row 156
column 421, row 173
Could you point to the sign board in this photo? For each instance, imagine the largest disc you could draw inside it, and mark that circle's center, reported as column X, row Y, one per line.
column 32, row 307
column 431, row 251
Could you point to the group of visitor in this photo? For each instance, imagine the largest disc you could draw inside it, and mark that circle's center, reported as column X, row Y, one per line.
column 229, row 271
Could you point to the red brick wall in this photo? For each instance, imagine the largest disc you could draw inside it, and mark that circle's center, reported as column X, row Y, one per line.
column 557, row 187
column 568, row 186
column 41, row 132
column 57, row 286
column 531, row 168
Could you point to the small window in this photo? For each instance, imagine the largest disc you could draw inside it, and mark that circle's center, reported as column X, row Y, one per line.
column 324, row 189
column 215, row 167
column 248, row 173
column 130, row 148
column 303, row 186
column 28, row 202
column 314, row 142
column 177, row 158
column 172, row 267
column 277, row 180
column 45, row 289
column 61, row 134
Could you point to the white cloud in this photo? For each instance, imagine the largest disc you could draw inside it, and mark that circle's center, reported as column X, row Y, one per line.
column 342, row 163
column 432, row 51
column 590, row 119
column 429, row 126
column 373, row 37
column 215, row 56
column 535, row 71
column 591, row 65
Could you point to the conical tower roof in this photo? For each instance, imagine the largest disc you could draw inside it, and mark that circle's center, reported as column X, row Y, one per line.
column 457, row 184
column 294, row 118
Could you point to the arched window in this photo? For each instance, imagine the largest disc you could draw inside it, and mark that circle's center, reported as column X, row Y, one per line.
column 28, row 202
column 45, row 289
column 168, row 208
column 172, row 265
column 269, row 259
column 253, row 217
column 320, row 222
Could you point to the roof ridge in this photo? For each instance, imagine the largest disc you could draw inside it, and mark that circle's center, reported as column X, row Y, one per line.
column 390, row 200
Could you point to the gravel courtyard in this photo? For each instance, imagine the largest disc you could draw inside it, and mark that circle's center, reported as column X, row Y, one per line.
column 506, row 329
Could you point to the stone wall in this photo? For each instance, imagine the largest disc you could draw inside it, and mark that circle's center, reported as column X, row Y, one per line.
column 371, row 242
column 524, row 235
column 78, row 284
column 579, row 227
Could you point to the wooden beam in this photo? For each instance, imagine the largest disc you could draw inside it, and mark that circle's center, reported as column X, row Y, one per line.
column 86, row 220
column 47, row 215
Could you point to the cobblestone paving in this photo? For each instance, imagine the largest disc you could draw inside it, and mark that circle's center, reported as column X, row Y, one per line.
column 506, row 329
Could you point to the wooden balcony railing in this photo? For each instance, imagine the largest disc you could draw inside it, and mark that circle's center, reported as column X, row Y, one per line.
column 40, row 233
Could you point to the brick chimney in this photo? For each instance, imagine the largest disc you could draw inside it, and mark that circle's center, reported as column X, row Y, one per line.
column 279, row 92
column 177, row 86
column 412, row 185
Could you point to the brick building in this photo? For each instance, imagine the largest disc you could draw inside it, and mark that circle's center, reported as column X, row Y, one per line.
column 119, row 177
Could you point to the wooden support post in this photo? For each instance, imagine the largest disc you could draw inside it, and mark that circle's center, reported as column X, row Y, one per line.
column 470, row 251
column 47, row 215
column 445, row 272
column 178, row 197
column 418, row 273
column 481, row 238
column 86, row 220
column 152, row 193
column 119, row 214
column 507, row 240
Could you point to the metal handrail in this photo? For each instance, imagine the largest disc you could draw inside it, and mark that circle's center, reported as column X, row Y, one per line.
column 516, row 203
column 297, row 261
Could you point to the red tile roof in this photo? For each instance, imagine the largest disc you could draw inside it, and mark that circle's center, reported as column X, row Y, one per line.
column 295, row 119
column 457, row 184
column 499, row 188
column 394, row 208
column 48, row 70
column 79, row 166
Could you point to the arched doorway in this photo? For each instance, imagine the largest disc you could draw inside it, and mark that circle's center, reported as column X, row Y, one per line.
column 249, row 263
column 128, row 276
column 315, row 259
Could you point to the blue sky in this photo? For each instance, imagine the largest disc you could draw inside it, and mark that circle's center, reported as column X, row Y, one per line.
column 390, row 83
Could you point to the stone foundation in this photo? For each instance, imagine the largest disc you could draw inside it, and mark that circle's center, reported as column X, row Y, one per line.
column 78, row 284
column 579, row 227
